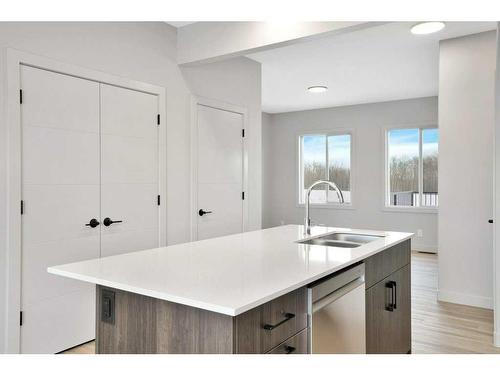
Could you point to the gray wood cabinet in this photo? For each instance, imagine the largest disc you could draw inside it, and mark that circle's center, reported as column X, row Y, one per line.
column 294, row 345
column 266, row 326
column 388, row 301
column 141, row 324
column 381, row 265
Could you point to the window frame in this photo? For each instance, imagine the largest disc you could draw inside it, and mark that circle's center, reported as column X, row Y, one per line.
column 386, row 205
column 299, row 167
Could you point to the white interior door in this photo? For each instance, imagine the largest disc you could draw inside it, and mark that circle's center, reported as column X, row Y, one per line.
column 129, row 170
column 219, row 172
column 60, row 190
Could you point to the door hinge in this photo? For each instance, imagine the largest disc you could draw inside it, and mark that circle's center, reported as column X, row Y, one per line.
column 158, row 200
column 243, row 195
column 22, row 207
column 20, row 318
column 243, row 133
column 20, row 96
column 158, row 120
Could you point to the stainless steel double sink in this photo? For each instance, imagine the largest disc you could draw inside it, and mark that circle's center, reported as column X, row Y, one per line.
column 349, row 240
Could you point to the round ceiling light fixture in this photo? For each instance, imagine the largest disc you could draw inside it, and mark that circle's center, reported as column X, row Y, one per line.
column 317, row 89
column 424, row 28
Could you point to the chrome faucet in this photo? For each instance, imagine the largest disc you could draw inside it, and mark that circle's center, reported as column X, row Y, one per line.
column 307, row 220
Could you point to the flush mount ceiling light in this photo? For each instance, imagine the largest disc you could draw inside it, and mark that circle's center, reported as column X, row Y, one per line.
column 317, row 89
column 427, row 27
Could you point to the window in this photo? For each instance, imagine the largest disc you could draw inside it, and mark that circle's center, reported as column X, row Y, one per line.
column 412, row 167
column 325, row 157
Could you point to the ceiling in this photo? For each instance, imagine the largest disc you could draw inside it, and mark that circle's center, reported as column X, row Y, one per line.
column 377, row 64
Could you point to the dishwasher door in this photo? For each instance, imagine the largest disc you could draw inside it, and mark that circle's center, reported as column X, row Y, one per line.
column 337, row 314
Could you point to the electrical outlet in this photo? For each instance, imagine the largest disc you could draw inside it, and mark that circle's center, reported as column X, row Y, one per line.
column 108, row 306
column 420, row 233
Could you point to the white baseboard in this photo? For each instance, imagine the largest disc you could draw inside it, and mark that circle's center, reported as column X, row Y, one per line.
column 465, row 299
column 424, row 248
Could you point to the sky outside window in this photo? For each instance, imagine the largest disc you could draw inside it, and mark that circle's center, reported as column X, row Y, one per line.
column 404, row 167
column 314, row 164
column 339, row 165
column 430, row 140
column 314, row 155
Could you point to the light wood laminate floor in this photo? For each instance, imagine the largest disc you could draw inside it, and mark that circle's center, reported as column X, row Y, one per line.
column 440, row 327
column 437, row 327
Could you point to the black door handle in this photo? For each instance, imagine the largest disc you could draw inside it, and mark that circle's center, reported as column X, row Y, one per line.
column 202, row 212
column 92, row 223
column 490, row 221
column 107, row 221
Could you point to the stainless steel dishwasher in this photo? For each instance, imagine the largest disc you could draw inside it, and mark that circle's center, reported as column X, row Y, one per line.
column 336, row 308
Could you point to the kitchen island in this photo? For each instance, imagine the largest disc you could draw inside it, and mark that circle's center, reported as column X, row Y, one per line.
column 244, row 293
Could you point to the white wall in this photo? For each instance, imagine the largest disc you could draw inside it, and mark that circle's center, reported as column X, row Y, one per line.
column 466, row 117
column 143, row 51
column 368, row 122
column 267, row 170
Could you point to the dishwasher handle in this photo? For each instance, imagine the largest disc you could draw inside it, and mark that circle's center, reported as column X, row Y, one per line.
column 332, row 297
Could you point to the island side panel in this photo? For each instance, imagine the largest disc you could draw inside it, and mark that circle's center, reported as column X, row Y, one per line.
column 183, row 329
column 133, row 329
column 148, row 325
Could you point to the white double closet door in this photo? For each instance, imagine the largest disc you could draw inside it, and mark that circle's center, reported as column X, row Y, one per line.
column 89, row 151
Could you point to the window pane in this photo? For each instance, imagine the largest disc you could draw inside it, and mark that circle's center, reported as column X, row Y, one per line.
column 339, row 166
column 430, row 140
column 403, row 155
column 314, row 159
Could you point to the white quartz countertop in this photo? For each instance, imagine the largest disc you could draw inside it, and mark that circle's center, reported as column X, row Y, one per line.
column 231, row 274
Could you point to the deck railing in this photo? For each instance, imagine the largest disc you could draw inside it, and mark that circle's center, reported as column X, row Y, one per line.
column 410, row 198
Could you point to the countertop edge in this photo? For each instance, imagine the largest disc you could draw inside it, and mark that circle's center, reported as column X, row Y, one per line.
column 217, row 308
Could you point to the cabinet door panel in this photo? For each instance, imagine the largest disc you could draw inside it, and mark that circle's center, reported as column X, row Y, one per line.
column 389, row 331
column 381, row 265
column 294, row 345
column 252, row 337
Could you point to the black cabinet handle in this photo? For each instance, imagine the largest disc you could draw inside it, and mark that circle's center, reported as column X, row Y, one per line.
column 490, row 221
column 202, row 212
column 107, row 221
column 92, row 223
column 270, row 327
column 289, row 349
column 392, row 304
column 395, row 290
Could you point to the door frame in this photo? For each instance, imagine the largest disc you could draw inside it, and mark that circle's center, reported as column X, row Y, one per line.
column 216, row 104
column 14, row 60
column 496, row 200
